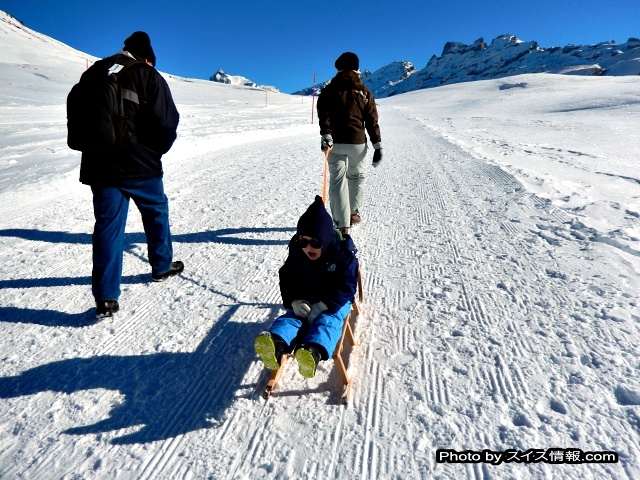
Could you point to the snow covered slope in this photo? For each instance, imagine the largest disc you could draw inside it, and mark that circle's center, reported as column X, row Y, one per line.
column 500, row 251
column 32, row 63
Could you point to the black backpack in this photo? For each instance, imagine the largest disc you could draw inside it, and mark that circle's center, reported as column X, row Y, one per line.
column 95, row 107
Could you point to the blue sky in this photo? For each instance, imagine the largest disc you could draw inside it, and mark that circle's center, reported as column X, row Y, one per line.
column 283, row 43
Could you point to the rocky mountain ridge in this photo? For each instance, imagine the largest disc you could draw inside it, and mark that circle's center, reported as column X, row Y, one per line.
column 222, row 77
column 505, row 56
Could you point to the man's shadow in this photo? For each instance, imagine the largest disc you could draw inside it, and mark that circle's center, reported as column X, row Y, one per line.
column 51, row 318
column 48, row 318
column 54, row 318
column 228, row 236
column 166, row 394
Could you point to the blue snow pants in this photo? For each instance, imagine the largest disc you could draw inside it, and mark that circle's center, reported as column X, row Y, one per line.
column 324, row 331
column 110, row 208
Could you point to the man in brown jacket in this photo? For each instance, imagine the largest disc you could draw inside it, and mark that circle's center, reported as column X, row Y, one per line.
column 346, row 113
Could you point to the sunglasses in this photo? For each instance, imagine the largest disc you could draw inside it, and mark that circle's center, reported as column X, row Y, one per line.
column 304, row 243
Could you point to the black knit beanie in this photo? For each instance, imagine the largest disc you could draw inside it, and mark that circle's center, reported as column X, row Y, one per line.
column 139, row 44
column 317, row 223
column 348, row 61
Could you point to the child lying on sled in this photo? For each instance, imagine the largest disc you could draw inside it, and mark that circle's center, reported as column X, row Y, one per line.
column 318, row 284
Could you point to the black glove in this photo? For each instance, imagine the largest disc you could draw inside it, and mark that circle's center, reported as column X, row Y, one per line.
column 377, row 157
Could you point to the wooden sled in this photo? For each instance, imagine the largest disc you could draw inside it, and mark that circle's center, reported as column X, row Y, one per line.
column 341, row 356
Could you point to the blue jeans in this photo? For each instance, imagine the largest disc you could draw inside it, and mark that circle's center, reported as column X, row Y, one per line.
column 110, row 208
column 324, row 331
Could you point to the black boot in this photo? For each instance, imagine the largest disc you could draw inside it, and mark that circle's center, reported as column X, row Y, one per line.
column 176, row 268
column 106, row 308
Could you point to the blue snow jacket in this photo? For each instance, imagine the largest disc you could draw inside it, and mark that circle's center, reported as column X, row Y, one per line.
column 332, row 278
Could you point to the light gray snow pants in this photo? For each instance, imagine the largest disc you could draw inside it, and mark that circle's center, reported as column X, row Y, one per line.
column 346, row 184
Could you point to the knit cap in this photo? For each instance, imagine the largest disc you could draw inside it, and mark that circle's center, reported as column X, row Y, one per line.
column 139, row 44
column 348, row 61
column 317, row 223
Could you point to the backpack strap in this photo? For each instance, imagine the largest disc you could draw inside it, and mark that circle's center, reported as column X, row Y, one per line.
column 130, row 95
column 117, row 69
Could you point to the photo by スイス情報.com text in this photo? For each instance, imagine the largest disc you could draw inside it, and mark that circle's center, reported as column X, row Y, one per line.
column 550, row 455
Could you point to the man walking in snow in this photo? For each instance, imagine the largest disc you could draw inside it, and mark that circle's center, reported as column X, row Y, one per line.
column 132, row 170
column 346, row 113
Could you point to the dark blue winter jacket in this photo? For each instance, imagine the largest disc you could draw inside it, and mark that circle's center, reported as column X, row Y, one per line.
column 154, row 123
column 331, row 279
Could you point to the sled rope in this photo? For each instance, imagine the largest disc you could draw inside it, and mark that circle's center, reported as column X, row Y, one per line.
column 324, row 176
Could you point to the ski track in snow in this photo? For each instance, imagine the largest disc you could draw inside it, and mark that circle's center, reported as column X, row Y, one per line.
column 498, row 311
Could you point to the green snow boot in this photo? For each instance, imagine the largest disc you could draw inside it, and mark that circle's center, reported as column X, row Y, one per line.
column 307, row 358
column 267, row 350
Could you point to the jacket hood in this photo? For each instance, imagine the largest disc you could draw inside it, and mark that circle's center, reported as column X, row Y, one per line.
column 317, row 223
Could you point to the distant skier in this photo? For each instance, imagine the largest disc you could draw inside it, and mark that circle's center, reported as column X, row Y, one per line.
column 346, row 108
column 318, row 284
column 130, row 170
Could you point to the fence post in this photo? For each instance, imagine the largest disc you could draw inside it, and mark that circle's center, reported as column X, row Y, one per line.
column 313, row 96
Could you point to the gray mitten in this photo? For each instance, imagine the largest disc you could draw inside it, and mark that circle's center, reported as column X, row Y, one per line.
column 301, row 308
column 316, row 310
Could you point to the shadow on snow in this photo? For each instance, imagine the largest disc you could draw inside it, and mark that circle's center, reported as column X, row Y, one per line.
column 167, row 394
column 48, row 318
column 67, row 281
column 228, row 236
column 52, row 318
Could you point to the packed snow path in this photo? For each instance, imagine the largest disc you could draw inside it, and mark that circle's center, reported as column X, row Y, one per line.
column 490, row 323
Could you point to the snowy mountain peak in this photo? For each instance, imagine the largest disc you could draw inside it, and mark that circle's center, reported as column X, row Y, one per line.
column 221, row 77
column 457, row 48
column 506, row 55
column 386, row 77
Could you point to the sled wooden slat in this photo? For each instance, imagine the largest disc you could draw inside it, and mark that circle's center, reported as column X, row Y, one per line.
column 274, row 377
column 340, row 360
